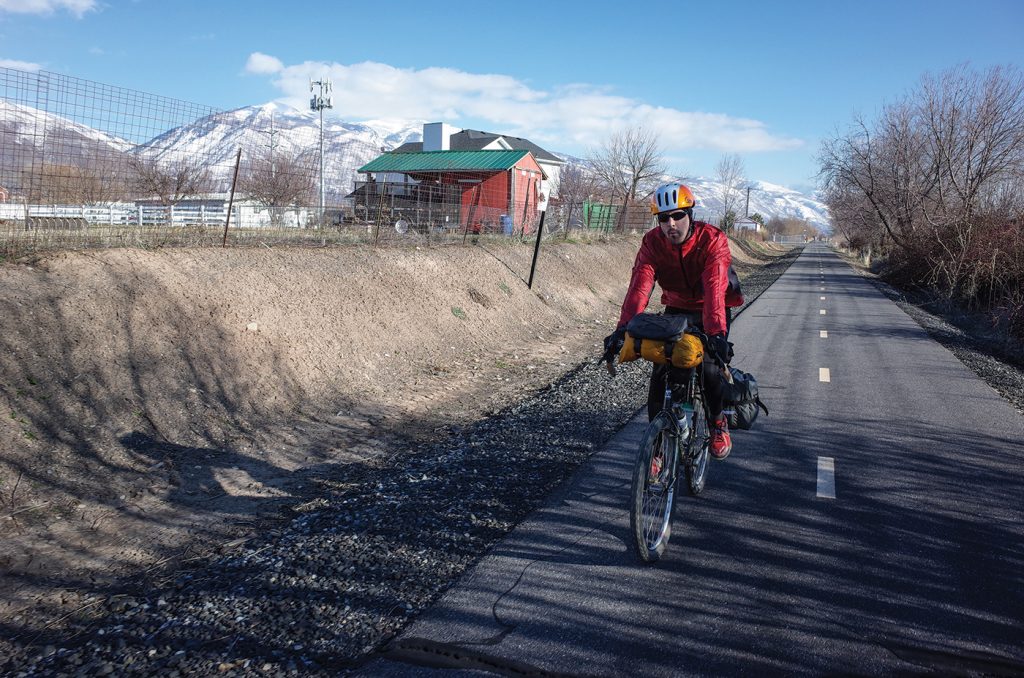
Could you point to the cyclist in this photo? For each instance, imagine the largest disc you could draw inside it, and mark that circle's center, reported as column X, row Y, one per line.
column 691, row 262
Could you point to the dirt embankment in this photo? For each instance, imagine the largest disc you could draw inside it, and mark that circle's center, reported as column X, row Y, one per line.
column 159, row 401
column 151, row 399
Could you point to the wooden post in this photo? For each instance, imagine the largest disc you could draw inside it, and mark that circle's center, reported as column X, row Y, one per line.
column 231, row 199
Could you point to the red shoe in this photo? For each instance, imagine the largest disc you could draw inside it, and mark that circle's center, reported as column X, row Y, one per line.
column 655, row 471
column 721, row 441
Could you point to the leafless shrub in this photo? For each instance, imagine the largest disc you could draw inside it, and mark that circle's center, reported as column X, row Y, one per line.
column 169, row 181
column 67, row 184
column 279, row 179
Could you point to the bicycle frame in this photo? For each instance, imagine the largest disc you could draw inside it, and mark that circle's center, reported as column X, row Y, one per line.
column 694, row 384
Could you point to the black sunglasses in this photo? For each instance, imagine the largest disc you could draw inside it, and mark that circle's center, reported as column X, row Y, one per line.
column 675, row 216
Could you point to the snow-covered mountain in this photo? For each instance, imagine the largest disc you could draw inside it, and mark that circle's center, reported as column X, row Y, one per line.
column 25, row 131
column 768, row 200
column 258, row 129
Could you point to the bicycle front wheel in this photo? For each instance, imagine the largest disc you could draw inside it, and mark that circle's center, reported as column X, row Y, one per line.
column 697, row 448
column 653, row 494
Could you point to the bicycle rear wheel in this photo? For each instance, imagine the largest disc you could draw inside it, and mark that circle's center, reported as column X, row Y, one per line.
column 698, row 447
column 653, row 495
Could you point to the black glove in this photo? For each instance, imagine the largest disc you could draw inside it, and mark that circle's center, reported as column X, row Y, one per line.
column 613, row 343
column 723, row 347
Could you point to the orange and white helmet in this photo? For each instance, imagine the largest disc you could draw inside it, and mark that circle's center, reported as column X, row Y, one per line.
column 671, row 197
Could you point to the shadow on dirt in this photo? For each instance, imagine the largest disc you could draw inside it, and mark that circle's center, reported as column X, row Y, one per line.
column 127, row 406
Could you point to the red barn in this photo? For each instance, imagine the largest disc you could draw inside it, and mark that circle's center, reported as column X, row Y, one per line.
column 489, row 190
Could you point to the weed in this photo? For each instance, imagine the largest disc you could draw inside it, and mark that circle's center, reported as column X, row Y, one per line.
column 505, row 288
column 501, row 365
column 31, row 380
column 458, row 313
column 29, row 435
column 592, row 290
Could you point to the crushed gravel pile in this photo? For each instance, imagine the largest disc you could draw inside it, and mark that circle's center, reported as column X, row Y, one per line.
column 355, row 565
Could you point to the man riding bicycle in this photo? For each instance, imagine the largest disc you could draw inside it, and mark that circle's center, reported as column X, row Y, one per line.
column 691, row 262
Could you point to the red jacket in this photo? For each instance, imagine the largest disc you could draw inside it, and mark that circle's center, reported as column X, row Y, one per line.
column 689, row 275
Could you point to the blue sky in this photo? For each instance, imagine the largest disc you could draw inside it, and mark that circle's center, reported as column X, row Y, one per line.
column 766, row 80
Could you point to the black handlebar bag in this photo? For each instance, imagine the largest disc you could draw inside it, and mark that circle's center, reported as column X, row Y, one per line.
column 655, row 326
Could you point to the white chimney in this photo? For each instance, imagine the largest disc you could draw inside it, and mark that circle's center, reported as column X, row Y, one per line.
column 437, row 136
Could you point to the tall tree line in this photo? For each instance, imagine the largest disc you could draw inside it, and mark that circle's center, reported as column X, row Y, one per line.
column 935, row 185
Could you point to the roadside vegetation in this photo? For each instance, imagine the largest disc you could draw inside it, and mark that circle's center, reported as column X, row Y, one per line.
column 931, row 193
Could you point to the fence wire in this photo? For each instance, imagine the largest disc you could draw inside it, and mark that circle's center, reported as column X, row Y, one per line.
column 84, row 164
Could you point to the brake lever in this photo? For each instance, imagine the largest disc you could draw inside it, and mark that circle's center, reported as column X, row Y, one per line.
column 609, row 363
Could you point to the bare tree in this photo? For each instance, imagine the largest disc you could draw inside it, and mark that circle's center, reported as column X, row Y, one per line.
column 731, row 174
column 630, row 163
column 169, row 181
column 280, row 178
column 65, row 184
column 576, row 185
column 938, row 177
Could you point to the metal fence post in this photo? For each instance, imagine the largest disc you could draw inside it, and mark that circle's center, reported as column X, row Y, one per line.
column 536, row 249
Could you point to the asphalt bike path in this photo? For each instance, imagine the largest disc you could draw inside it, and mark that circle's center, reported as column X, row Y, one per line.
column 872, row 524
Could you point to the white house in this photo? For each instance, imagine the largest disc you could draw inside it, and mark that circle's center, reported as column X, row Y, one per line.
column 747, row 224
column 440, row 136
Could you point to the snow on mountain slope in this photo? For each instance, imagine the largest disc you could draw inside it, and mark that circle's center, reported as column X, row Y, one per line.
column 288, row 131
column 766, row 199
column 29, row 136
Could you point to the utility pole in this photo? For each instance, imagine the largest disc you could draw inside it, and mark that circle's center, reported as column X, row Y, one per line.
column 271, row 144
column 319, row 103
column 746, row 209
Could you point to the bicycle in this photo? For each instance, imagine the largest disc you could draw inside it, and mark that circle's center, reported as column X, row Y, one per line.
column 676, row 435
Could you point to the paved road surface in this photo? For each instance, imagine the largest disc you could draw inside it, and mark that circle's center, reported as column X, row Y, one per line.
column 873, row 524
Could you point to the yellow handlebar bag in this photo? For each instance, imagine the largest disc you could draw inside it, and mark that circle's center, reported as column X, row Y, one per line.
column 688, row 352
column 669, row 342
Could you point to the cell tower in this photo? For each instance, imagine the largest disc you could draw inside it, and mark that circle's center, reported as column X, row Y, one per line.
column 318, row 102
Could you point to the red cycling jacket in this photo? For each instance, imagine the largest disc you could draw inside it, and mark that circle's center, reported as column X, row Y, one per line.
column 694, row 276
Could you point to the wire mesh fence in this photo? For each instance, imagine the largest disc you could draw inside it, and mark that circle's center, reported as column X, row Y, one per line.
column 83, row 164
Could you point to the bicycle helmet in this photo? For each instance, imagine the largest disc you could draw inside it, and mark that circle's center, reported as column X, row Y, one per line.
column 671, row 197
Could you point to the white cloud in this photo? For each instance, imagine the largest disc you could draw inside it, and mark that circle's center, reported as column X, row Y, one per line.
column 263, row 64
column 576, row 114
column 76, row 7
column 19, row 65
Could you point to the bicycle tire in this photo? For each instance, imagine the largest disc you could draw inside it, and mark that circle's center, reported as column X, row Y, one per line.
column 698, row 448
column 652, row 494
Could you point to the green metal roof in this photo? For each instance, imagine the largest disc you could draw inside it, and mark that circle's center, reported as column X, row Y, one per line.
column 442, row 161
